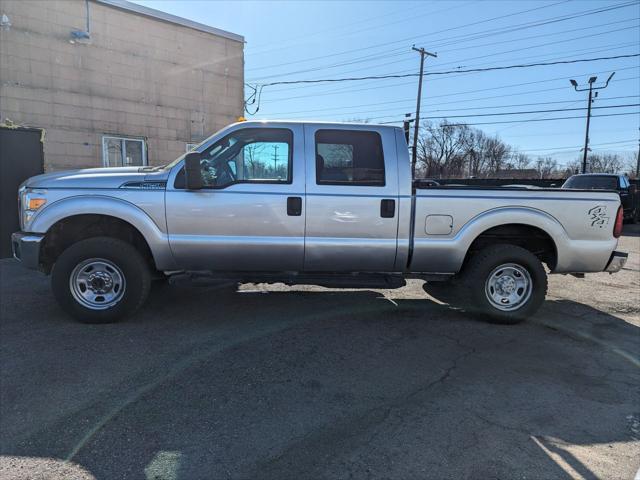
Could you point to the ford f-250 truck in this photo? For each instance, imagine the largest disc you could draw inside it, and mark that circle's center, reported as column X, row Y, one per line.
column 305, row 203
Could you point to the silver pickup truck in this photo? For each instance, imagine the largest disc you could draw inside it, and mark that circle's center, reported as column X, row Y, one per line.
column 328, row 204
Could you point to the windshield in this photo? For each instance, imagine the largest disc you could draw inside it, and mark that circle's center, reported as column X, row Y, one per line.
column 592, row 182
column 179, row 159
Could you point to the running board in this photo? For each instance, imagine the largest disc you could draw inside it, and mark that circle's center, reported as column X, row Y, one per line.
column 328, row 280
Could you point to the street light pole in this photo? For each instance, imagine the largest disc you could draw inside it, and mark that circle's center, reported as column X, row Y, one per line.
column 586, row 135
column 591, row 81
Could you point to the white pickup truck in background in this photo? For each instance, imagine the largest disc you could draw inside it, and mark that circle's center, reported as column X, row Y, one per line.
column 305, row 203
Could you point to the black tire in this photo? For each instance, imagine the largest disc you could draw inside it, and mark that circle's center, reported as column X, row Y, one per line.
column 484, row 264
column 133, row 271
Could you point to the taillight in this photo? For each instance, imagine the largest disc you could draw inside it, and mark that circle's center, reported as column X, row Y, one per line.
column 617, row 228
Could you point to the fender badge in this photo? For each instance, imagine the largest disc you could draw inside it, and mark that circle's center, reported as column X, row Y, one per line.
column 598, row 216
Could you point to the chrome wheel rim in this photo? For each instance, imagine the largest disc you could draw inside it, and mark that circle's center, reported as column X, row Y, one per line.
column 97, row 283
column 508, row 287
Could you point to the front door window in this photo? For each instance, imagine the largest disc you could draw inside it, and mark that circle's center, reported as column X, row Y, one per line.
column 256, row 155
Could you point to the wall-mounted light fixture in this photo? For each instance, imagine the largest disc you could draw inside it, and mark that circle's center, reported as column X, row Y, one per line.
column 82, row 36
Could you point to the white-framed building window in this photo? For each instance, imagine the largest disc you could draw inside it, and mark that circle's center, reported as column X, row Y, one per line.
column 190, row 146
column 123, row 151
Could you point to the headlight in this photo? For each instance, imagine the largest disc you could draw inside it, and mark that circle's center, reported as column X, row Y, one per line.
column 30, row 202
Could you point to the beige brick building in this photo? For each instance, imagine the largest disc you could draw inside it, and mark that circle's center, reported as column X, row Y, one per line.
column 143, row 86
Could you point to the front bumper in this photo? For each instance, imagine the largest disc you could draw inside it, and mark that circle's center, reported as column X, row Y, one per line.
column 26, row 248
column 616, row 262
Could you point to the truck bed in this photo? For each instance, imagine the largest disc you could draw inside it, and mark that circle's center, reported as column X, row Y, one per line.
column 448, row 218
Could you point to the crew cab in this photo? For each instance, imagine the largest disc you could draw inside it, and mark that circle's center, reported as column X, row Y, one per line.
column 329, row 204
column 628, row 192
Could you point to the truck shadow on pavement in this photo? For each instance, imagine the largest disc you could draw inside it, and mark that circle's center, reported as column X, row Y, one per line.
column 212, row 383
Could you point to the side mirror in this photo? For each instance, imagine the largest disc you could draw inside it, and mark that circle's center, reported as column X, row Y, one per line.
column 192, row 171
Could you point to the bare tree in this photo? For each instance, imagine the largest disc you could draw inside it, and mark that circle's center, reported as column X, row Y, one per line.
column 605, row 163
column 443, row 149
column 476, row 157
column 253, row 153
column 547, row 167
column 497, row 154
column 519, row 160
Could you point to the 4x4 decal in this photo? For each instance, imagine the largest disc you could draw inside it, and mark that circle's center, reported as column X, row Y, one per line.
column 598, row 216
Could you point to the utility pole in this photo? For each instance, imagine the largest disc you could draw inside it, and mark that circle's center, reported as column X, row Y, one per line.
column 275, row 159
column 591, row 88
column 406, row 126
column 423, row 53
column 638, row 160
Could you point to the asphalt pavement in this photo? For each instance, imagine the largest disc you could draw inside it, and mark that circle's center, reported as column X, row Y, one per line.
column 275, row 382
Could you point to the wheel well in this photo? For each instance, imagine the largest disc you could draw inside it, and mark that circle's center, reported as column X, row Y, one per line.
column 72, row 229
column 534, row 239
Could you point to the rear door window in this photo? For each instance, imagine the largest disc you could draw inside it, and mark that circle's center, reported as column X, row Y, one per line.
column 349, row 157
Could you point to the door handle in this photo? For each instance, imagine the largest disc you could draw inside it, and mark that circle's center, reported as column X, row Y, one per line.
column 294, row 206
column 387, row 208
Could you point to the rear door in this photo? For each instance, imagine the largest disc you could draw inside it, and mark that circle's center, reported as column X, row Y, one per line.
column 352, row 199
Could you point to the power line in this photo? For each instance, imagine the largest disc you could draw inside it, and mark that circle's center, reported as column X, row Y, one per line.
column 573, row 132
column 473, row 115
column 492, row 55
column 491, row 32
column 544, row 57
column 403, row 52
column 445, row 116
column 539, row 119
column 255, row 97
column 306, row 60
column 458, row 94
column 487, row 69
column 352, row 31
column 396, row 52
column 452, row 109
column 552, row 34
column 579, row 146
column 535, row 111
column 396, row 85
column 523, row 26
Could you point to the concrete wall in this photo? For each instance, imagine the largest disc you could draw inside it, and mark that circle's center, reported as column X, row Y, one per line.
column 138, row 77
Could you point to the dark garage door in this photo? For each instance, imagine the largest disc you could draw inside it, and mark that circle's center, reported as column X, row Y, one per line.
column 21, row 157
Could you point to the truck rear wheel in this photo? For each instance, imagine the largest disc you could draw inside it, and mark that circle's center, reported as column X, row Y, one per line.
column 506, row 283
column 100, row 280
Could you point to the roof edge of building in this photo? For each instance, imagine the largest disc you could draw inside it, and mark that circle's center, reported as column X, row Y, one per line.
column 167, row 17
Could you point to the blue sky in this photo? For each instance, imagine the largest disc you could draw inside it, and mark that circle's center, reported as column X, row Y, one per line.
column 299, row 40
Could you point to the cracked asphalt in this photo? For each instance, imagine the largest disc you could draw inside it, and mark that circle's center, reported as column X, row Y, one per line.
column 276, row 382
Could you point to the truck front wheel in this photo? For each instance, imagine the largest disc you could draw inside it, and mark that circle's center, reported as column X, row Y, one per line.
column 100, row 280
column 506, row 283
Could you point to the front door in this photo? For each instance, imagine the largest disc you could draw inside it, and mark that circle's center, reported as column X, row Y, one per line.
column 352, row 199
column 250, row 216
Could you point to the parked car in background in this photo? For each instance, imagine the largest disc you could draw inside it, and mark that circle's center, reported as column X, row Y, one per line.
column 628, row 192
column 328, row 204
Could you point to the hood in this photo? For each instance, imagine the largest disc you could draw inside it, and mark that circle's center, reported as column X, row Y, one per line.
column 113, row 177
